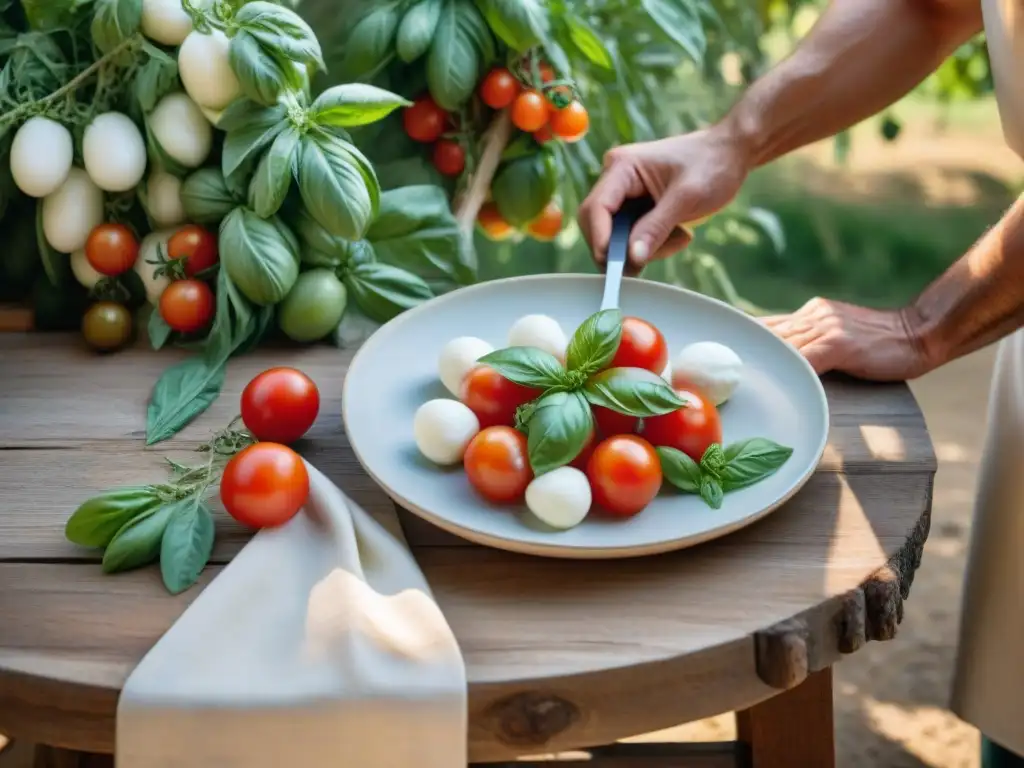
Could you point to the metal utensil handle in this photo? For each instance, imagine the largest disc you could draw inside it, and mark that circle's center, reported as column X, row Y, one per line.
column 618, row 247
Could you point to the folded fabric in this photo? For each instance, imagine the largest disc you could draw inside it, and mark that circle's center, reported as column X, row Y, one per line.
column 320, row 644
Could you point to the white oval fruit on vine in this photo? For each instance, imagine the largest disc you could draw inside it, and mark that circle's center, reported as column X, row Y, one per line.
column 713, row 368
column 114, row 152
column 71, row 213
column 152, row 247
column 443, row 429
column 458, row 357
column 561, row 498
column 83, row 271
column 539, row 331
column 182, row 130
column 165, row 21
column 163, row 199
column 206, row 71
column 41, row 156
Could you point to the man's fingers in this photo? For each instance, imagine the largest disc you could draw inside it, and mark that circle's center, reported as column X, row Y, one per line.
column 677, row 241
column 652, row 232
column 821, row 355
column 607, row 196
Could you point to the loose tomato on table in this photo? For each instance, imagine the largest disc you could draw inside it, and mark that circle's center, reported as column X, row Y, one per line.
column 265, row 485
column 194, row 247
column 280, row 405
column 449, row 157
column 548, row 224
column 493, row 398
column 187, row 306
column 424, row 121
column 106, row 326
column 625, row 474
column 530, row 111
column 642, row 346
column 499, row 88
column 691, row 429
column 111, row 249
column 570, row 123
column 497, row 464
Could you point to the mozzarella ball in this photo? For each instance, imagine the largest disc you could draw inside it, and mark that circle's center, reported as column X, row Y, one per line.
column 206, row 71
column 458, row 357
column 561, row 498
column 667, row 373
column 41, row 156
column 443, row 429
column 182, row 130
column 539, row 331
column 711, row 367
column 114, row 152
column 83, row 271
column 71, row 213
column 163, row 199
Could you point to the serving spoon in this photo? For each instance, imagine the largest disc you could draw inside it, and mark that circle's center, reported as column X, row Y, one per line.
column 629, row 214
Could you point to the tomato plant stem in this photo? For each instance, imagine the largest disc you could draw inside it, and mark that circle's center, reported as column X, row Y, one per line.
column 467, row 208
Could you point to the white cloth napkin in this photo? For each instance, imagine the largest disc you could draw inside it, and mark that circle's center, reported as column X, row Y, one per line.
column 320, row 644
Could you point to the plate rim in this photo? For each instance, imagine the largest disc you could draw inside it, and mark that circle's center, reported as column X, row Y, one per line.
column 562, row 551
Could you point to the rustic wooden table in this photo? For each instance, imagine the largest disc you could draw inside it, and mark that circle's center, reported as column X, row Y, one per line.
column 560, row 654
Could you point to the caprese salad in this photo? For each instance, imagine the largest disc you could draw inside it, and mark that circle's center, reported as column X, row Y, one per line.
column 596, row 421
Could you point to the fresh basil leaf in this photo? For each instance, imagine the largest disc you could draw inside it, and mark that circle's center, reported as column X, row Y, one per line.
column 355, row 104
column 154, row 79
column 159, row 331
column 276, row 27
column 523, row 187
column 417, row 28
column 114, row 21
column 680, row 470
column 206, row 197
column 588, row 43
column 528, row 366
column 595, row 342
column 632, row 391
column 463, row 47
column 383, row 292
column 711, row 491
column 678, row 19
column 713, row 461
column 241, row 113
column 48, row 255
column 260, row 257
column 338, row 186
column 368, row 48
column 558, row 427
column 187, row 544
column 261, row 73
column 181, row 393
column 137, row 543
column 520, row 24
column 750, row 461
column 47, row 15
column 242, row 144
column 318, row 246
column 97, row 521
column 269, row 187
column 158, row 156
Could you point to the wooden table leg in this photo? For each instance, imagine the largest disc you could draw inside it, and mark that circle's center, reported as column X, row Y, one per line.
column 794, row 729
column 51, row 757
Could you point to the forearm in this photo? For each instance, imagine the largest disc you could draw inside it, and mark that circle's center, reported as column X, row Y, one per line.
column 976, row 301
column 861, row 56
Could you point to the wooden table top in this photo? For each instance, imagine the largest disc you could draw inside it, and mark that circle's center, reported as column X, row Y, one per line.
column 559, row 653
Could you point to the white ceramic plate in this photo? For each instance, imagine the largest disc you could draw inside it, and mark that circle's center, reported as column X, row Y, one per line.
column 395, row 372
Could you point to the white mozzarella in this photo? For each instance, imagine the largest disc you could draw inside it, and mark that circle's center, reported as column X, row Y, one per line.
column 713, row 368
column 443, row 429
column 561, row 498
column 539, row 331
column 458, row 357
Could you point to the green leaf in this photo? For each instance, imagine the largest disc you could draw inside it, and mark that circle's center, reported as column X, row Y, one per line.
column 187, row 544
column 355, row 104
column 318, row 246
column 463, row 47
column 97, row 521
column 520, row 24
column 711, row 491
column 679, row 20
column 595, row 342
column 261, row 73
column 369, row 46
column 338, row 186
column 750, row 461
column 137, row 543
column 206, row 197
column 49, row 15
column 528, row 366
column 159, row 330
column 680, row 470
column 51, row 259
column 114, row 21
column 768, row 223
column 632, row 391
column 523, row 187
column 383, row 292
column 259, row 256
column 713, row 461
column 273, row 179
column 559, row 427
column 181, row 393
column 278, row 28
column 416, row 31
column 588, row 43
column 156, row 78
column 243, row 143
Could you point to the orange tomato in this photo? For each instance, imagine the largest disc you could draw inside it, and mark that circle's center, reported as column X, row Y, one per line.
column 493, row 224
column 529, row 111
column 571, row 123
column 548, row 224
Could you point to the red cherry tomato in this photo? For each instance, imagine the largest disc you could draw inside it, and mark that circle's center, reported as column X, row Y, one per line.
column 611, row 423
column 424, row 121
column 493, row 224
column 187, row 306
column 280, row 405
column 625, row 474
column 530, row 111
column 581, row 461
column 111, row 249
column 543, row 134
column 499, row 88
column 497, row 464
column 690, row 429
column 642, row 346
column 493, row 398
column 570, row 123
column 196, row 246
column 449, row 157
column 548, row 223
column 265, row 485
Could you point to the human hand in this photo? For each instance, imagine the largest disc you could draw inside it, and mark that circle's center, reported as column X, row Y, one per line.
column 880, row 345
column 689, row 177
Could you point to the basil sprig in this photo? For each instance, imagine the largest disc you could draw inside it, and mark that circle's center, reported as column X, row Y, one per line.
column 528, row 366
column 633, row 392
column 721, row 469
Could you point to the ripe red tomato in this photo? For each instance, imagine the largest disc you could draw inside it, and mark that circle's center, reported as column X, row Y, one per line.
column 424, row 120
column 547, row 72
column 493, row 398
column 497, row 464
column 690, row 429
column 449, row 157
column 111, row 249
column 499, row 88
column 642, row 346
column 570, row 123
column 187, row 306
column 548, row 224
column 265, row 485
column 611, row 423
column 280, row 405
column 195, row 246
column 493, row 223
column 530, row 111
column 625, row 474
column 543, row 135
column 581, row 461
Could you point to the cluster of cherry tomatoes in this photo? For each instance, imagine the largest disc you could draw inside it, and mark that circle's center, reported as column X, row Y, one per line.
column 619, row 459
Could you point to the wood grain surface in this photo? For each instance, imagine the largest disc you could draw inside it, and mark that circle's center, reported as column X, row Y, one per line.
column 560, row 654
